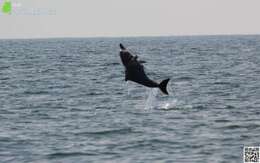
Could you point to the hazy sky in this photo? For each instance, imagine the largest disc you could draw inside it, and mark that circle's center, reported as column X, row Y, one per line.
column 90, row 18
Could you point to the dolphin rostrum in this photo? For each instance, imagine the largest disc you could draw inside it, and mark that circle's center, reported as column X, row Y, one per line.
column 134, row 71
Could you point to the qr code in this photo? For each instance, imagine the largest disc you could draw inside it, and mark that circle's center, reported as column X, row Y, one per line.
column 251, row 155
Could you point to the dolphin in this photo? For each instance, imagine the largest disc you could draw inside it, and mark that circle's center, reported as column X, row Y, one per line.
column 134, row 71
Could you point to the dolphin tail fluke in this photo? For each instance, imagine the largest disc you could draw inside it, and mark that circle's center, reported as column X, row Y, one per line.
column 163, row 86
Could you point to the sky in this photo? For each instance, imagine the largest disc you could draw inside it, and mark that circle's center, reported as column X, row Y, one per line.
column 116, row 18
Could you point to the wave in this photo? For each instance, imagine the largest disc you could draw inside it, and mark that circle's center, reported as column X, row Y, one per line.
column 137, row 144
column 69, row 154
column 108, row 132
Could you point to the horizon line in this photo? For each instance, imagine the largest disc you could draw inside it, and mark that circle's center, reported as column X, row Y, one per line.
column 126, row 36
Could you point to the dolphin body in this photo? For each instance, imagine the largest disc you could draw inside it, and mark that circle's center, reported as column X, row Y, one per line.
column 134, row 71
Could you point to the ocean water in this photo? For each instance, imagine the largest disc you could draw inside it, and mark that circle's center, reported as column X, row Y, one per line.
column 65, row 100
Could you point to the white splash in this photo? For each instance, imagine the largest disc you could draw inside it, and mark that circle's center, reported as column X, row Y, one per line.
column 128, row 87
column 167, row 105
column 155, row 101
column 151, row 100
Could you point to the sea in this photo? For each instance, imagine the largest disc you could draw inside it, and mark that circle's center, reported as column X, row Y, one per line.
column 65, row 100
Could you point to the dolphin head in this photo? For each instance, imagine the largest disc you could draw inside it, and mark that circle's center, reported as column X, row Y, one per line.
column 122, row 47
column 125, row 56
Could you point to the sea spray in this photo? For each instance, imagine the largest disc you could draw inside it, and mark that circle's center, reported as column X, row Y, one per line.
column 169, row 104
column 151, row 100
column 128, row 87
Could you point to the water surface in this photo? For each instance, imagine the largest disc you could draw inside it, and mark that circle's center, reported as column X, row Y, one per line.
column 65, row 100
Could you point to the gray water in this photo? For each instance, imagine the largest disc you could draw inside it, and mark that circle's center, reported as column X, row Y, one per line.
column 65, row 100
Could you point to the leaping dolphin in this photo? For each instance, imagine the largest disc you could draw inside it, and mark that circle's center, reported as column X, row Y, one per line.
column 134, row 71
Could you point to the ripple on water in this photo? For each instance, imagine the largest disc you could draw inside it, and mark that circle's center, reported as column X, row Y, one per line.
column 108, row 132
column 69, row 154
